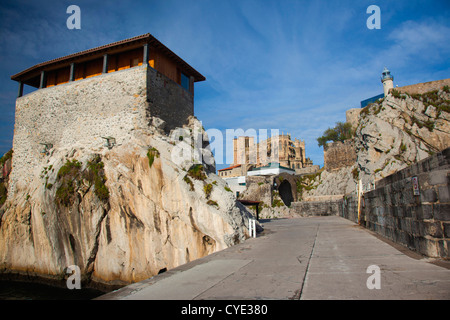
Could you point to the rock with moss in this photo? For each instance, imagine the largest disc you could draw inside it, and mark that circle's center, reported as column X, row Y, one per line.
column 120, row 214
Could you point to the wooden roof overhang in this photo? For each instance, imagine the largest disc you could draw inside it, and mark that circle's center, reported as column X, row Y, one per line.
column 31, row 75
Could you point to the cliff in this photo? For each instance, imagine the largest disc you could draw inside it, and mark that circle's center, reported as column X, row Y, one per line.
column 391, row 134
column 121, row 211
column 401, row 130
column 121, row 215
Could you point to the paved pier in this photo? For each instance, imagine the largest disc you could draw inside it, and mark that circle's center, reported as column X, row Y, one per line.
column 307, row 258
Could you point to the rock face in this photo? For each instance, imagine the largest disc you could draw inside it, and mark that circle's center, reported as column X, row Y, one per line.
column 390, row 135
column 152, row 220
column 122, row 213
column 399, row 131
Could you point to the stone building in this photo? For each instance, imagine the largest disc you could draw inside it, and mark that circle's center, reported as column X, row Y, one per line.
column 291, row 153
column 339, row 154
column 278, row 149
column 93, row 180
column 95, row 96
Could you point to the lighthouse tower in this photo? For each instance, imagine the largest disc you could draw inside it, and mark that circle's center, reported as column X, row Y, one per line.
column 388, row 81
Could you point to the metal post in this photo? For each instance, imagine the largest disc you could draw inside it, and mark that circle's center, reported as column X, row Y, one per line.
column 42, row 82
column 105, row 63
column 252, row 228
column 146, row 54
column 257, row 212
column 359, row 200
column 191, row 84
column 72, row 72
column 20, row 93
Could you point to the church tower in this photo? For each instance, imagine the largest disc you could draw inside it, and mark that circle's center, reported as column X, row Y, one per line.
column 388, row 81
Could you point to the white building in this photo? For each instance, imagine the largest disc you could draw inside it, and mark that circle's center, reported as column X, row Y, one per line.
column 388, row 81
column 238, row 184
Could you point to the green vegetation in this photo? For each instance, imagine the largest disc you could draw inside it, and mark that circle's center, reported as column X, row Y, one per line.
column 3, row 193
column 429, row 124
column 95, row 174
column 395, row 93
column 152, row 153
column 208, row 189
column 384, row 166
column 228, row 189
column 432, row 98
column 306, row 182
column 276, row 203
column 6, row 156
column 189, row 182
column 355, row 173
column 70, row 178
column 213, row 203
column 402, row 147
column 196, row 172
column 341, row 132
column 67, row 175
column 70, row 169
column 3, row 189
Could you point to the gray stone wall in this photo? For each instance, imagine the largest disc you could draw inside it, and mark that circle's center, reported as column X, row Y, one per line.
column 421, row 88
column 338, row 155
column 316, row 208
column 307, row 170
column 168, row 101
column 78, row 114
column 419, row 222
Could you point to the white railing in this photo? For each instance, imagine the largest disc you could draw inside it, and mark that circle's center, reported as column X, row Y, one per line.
column 252, row 227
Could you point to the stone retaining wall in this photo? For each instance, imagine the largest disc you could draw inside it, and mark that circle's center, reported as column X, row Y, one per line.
column 424, row 87
column 419, row 222
column 338, row 155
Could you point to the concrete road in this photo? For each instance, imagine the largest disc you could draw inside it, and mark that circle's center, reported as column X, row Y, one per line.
column 316, row 258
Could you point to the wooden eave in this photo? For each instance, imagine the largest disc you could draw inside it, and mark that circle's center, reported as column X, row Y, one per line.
column 112, row 48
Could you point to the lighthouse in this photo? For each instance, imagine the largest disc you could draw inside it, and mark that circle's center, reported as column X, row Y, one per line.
column 388, row 81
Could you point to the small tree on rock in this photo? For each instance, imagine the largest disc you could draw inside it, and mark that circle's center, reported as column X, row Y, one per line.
column 341, row 132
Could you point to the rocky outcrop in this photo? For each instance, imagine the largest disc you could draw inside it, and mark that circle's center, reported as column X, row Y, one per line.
column 391, row 134
column 121, row 214
column 401, row 130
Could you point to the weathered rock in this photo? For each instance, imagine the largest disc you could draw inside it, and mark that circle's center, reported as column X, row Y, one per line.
column 390, row 135
column 152, row 220
column 398, row 132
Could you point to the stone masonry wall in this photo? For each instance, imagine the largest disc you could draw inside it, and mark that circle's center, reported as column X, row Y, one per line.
column 168, row 100
column 78, row 114
column 421, row 88
column 339, row 154
column 316, row 208
column 421, row 223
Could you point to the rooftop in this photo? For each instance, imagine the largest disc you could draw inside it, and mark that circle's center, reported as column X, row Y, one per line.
column 111, row 48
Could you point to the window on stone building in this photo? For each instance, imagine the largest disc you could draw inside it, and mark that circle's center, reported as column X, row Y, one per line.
column 185, row 81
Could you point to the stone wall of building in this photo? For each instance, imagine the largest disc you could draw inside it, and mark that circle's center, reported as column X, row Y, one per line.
column 419, row 222
column 168, row 100
column 339, row 155
column 79, row 114
column 421, row 88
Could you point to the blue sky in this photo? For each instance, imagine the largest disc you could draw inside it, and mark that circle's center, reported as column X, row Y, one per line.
column 296, row 66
